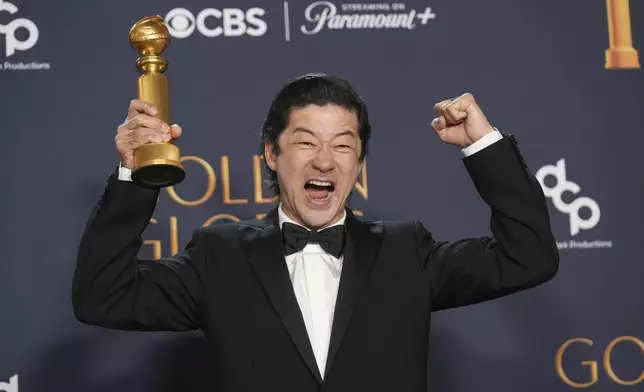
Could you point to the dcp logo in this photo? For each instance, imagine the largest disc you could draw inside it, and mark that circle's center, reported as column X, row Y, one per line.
column 11, row 42
column 231, row 22
column 572, row 209
column 11, row 386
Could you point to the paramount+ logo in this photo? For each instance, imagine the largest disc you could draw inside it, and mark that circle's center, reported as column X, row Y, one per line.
column 322, row 15
column 213, row 22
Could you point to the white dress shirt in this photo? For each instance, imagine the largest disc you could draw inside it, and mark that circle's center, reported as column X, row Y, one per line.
column 315, row 274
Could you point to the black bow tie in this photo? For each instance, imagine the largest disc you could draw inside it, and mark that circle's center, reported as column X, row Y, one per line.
column 296, row 237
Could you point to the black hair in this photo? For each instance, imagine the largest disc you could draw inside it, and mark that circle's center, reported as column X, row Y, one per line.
column 317, row 89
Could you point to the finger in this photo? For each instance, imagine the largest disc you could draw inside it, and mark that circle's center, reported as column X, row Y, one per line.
column 153, row 135
column 176, row 131
column 467, row 104
column 140, row 136
column 456, row 115
column 439, row 123
column 138, row 106
column 144, row 120
column 128, row 141
column 439, row 106
column 467, row 101
column 447, row 112
column 137, row 137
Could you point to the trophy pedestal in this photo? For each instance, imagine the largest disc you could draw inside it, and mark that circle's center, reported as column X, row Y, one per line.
column 625, row 58
column 157, row 165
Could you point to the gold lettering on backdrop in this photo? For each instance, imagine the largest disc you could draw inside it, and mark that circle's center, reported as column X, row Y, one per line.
column 620, row 53
column 210, row 189
column 219, row 217
column 225, row 182
column 174, row 239
column 156, row 244
column 608, row 363
column 174, row 236
column 257, row 182
column 593, row 365
column 361, row 186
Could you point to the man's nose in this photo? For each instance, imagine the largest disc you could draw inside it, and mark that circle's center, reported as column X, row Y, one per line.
column 323, row 160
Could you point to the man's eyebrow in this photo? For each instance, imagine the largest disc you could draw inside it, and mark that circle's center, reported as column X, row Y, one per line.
column 302, row 129
column 343, row 133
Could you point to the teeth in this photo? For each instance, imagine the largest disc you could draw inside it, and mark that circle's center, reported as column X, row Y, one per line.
column 319, row 183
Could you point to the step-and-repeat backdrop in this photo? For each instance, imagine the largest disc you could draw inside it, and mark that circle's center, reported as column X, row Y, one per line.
column 563, row 76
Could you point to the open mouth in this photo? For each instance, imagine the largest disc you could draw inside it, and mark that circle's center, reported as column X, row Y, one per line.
column 319, row 190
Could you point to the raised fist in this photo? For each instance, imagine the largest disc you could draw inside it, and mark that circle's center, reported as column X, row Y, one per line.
column 460, row 121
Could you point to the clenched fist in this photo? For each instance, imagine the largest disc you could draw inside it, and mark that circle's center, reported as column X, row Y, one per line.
column 142, row 127
column 460, row 121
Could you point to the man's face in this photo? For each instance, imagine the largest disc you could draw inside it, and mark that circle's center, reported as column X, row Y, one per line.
column 318, row 164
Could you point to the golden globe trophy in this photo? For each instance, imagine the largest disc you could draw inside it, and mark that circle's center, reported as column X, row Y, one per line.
column 155, row 164
column 620, row 53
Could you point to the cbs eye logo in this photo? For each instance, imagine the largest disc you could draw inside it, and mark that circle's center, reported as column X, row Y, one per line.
column 212, row 22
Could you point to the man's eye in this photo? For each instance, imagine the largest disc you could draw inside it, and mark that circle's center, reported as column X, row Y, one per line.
column 305, row 143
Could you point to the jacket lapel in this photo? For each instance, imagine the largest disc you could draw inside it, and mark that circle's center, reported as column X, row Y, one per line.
column 362, row 246
column 262, row 242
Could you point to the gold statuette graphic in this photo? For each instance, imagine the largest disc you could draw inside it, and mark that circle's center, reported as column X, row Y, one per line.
column 620, row 53
column 155, row 164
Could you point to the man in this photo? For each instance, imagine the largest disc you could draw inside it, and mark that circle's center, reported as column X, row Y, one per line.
column 310, row 298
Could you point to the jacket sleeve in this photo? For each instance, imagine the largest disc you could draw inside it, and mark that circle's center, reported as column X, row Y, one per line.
column 112, row 288
column 521, row 253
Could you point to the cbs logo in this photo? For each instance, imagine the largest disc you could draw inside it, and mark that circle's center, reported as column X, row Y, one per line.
column 593, row 365
column 212, row 22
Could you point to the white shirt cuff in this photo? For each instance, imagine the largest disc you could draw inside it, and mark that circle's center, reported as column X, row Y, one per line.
column 483, row 142
column 125, row 174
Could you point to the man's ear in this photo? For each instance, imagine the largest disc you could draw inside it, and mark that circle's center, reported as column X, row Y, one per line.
column 269, row 156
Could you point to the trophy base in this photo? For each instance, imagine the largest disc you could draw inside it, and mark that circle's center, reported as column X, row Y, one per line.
column 622, row 58
column 158, row 175
column 157, row 165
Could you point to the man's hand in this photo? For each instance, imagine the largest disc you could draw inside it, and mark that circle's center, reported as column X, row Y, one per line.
column 460, row 121
column 142, row 127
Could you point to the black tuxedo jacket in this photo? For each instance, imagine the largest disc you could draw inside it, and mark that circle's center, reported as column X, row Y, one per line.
column 232, row 282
